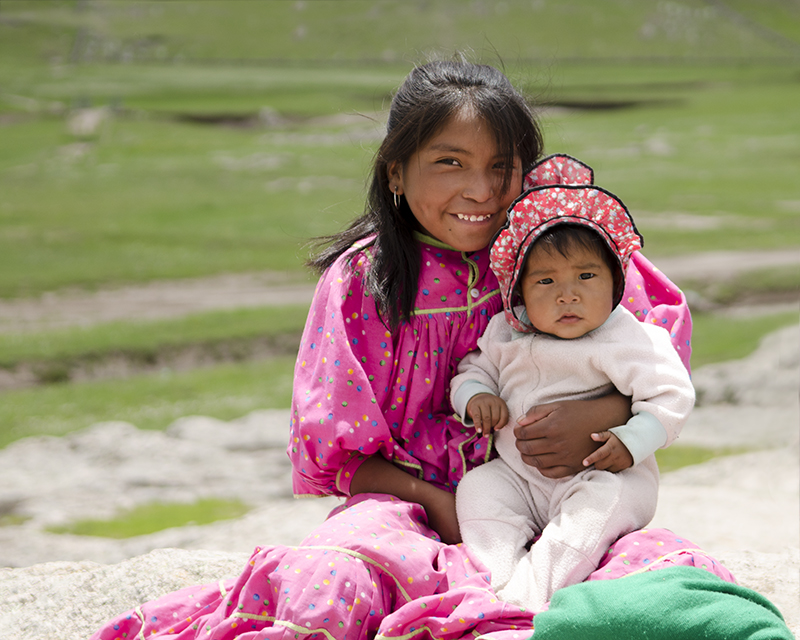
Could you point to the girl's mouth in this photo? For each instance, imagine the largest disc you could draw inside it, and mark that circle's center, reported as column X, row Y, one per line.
column 473, row 218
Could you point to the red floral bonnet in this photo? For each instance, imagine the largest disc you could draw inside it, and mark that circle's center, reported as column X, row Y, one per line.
column 558, row 190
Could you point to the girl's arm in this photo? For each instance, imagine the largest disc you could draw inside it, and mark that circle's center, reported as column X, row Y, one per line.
column 339, row 385
column 556, row 438
column 378, row 475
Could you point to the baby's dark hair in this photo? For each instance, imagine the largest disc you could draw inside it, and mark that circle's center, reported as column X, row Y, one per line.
column 430, row 95
column 565, row 238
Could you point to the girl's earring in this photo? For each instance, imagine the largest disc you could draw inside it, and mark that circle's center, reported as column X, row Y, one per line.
column 396, row 200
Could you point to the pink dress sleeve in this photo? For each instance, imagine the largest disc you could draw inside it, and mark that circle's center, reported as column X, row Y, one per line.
column 337, row 419
column 655, row 299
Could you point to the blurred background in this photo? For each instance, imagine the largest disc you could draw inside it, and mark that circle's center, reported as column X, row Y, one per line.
column 164, row 163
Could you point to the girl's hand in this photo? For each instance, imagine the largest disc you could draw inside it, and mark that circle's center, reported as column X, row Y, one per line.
column 612, row 456
column 488, row 412
column 377, row 475
column 556, row 438
column 441, row 510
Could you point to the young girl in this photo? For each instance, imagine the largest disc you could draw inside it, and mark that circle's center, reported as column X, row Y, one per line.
column 405, row 293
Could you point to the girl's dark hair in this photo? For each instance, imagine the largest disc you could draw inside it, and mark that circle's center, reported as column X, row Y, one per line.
column 564, row 238
column 429, row 96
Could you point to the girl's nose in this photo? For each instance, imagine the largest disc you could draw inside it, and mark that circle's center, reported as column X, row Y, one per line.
column 480, row 187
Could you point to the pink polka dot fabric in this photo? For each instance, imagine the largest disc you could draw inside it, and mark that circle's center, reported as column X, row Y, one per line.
column 375, row 569
column 654, row 298
column 372, row 570
column 361, row 390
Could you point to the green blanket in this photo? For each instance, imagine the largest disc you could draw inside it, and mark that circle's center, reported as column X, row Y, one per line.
column 676, row 603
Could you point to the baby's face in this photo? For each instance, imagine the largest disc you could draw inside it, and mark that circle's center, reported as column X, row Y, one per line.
column 566, row 296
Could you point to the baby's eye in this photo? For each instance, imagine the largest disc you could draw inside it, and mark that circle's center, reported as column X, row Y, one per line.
column 586, row 276
column 545, row 281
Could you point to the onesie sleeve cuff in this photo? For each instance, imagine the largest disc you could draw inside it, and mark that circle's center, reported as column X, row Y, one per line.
column 345, row 475
column 463, row 395
column 643, row 434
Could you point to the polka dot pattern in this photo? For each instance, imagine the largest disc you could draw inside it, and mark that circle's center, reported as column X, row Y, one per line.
column 558, row 168
column 373, row 568
column 362, row 390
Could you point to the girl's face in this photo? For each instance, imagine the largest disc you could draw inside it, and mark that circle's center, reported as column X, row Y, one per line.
column 453, row 184
column 566, row 296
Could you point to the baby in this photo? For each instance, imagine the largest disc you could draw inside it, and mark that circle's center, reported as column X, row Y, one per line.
column 564, row 251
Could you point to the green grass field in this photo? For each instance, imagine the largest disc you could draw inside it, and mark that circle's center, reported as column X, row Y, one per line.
column 235, row 131
column 155, row 517
column 149, row 197
column 145, row 340
column 686, row 113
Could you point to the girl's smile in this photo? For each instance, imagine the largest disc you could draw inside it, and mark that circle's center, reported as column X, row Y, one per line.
column 453, row 184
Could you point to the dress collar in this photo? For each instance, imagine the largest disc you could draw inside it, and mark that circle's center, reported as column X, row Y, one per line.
column 426, row 239
column 433, row 242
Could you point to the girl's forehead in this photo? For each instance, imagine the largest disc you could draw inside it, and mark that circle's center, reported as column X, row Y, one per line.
column 462, row 131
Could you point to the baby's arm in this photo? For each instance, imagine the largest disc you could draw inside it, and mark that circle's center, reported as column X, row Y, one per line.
column 488, row 412
column 644, row 366
column 629, row 443
column 478, row 375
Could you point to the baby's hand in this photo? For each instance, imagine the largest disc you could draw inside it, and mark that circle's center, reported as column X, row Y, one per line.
column 612, row 456
column 488, row 412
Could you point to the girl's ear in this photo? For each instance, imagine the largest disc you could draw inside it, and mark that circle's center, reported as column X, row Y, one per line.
column 394, row 172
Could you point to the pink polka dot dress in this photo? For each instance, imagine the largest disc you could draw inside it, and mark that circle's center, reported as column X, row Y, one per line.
column 374, row 569
column 361, row 390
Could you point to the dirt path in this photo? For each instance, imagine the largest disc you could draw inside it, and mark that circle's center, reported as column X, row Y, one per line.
column 152, row 301
column 723, row 265
column 175, row 298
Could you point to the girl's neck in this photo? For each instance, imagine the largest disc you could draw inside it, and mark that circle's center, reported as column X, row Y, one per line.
column 425, row 238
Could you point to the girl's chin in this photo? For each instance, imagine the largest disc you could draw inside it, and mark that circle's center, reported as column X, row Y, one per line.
column 474, row 236
column 465, row 235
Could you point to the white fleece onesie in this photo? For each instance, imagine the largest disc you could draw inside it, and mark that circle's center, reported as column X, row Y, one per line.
column 504, row 504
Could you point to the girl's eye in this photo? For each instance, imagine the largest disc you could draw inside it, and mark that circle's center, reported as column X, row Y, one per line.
column 449, row 161
column 586, row 276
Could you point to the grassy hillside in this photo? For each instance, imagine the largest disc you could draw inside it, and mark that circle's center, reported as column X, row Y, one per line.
column 386, row 30
column 171, row 184
column 229, row 132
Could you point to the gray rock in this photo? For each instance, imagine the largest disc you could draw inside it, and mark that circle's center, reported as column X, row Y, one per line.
column 113, row 465
column 769, row 377
column 71, row 600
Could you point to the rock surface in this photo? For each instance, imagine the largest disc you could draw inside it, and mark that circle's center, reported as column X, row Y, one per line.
column 743, row 509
